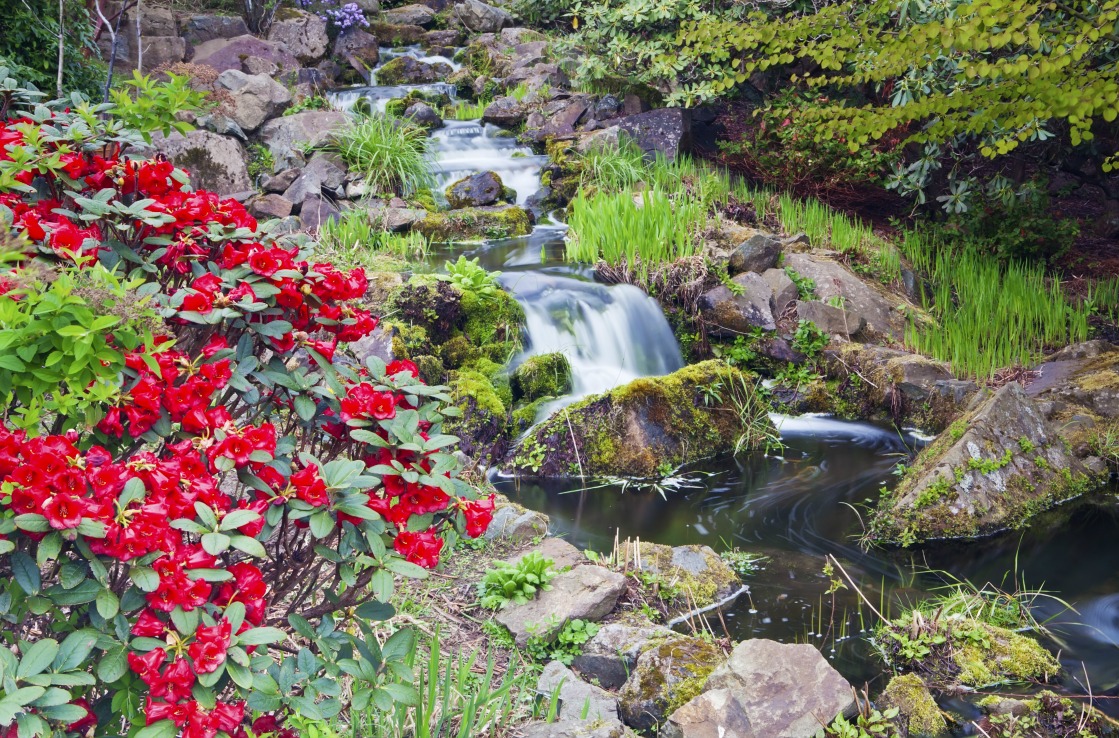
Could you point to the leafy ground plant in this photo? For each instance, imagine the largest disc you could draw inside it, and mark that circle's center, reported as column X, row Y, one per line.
column 468, row 276
column 515, row 584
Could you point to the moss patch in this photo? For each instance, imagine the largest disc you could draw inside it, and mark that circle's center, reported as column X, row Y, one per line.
column 914, row 701
column 668, row 674
column 476, row 224
column 546, row 375
column 650, row 427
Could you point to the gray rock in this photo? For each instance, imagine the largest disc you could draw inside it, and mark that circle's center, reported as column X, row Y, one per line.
column 286, row 136
column 667, row 131
column 757, row 254
column 611, row 655
column 1009, row 464
column 586, row 592
column 369, row 6
column 230, row 53
column 280, row 182
column 603, row 138
column 424, row 115
column 559, row 117
column 198, row 29
column 301, row 34
column 575, row 730
column 732, row 314
column 360, row 50
column 666, row 674
column 695, row 570
column 784, row 289
column 378, row 343
column 394, row 218
column 446, row 39
column 270, row 206
column 877, row 307
column 256, row 65
column 830, row 319
column 578, row 701
column 476, row 190
column 785, row 690
column 713, row 714
column 505, row 111
column 254, row 98
column 515, row 523
column 481, row 18
column 157, row 21
column 214, row 162
column 316, row 211
column 410, row 15
column 161, row 50
column 222, row 126
column 563, row 554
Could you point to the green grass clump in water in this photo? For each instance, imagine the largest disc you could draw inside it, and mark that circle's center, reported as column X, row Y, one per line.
column 464, row 110
column 389, row 154
column 648, row 228
column 990, row 315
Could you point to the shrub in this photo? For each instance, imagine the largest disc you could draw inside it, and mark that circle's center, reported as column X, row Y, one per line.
column 515, row 584
column 389, row 153
column 151, row 106
column 211, row 551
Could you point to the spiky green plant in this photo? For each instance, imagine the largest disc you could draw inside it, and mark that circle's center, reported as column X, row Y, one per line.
column 388, row 153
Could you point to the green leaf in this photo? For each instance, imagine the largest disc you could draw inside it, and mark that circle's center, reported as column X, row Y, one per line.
column 75, row 649
column 374, row 610
column 238, row 518
column 113, row 664
column 161, row 729
column 248, row 545
column 145, row 578
column 37, row 658
column 26, row 573
column 261, row 636
column 107, row 604
column 305, row 407
column 215, row 543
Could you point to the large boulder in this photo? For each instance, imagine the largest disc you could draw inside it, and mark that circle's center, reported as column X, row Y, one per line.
column 557, row 118
column 648, row 427
column 158, row 51
column 832, row 320
column 610, row 656
column 285, row 137
column 406, row 70
column 666, row 131
column 883, row 312
column 505, row 111
column 514, row 523
column 666, row 676
column 253, row 99
column 359, row 49
column 990, row 471
column 410, row 15
column 714, row 714
column 315, row 212
column 1084, row 376
column 476, row 190
column 214, row 162
column 585, row 593
column 756, row 254
column 423, row 115
column 785, row 690
column 302, row 34
column 231, row 53
column 198, row 29
column 738, row 312
column 479, row 17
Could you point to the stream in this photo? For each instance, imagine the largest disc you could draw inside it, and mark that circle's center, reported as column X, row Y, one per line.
column 794, row 508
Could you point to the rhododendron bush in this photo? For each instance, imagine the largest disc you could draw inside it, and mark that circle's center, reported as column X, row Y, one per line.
column 204, row 497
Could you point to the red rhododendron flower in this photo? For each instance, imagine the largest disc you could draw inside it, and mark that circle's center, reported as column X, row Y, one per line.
column 209, row 647
column 419, row 548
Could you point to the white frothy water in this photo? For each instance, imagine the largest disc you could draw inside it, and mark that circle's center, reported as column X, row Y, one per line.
column 463, row 148
column 379, row 95
column 611, row 335
column 417, row 53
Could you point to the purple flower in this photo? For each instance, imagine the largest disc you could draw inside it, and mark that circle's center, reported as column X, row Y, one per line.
column 349, row 15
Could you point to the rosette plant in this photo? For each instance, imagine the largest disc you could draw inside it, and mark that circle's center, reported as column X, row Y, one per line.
column 205, row 499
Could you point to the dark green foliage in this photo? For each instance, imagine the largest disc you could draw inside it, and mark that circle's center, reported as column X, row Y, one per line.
column 29, row 46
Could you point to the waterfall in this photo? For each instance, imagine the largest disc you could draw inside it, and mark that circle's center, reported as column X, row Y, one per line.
column 463, row 148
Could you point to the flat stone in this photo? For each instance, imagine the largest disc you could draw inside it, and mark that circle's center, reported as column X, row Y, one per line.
column 270, row 206
column 731, row 314
column 786, row 690
column 410, row 15
column 360, row 50
column 515, row 523
column 480, row 17
column 280, row 182
column 578, row 701
column 576, row 729
column 378, row 343
column 610, row 656
column 784, row 289
column 316, row 211
column 586, row 592
column 214, row 162
column 198, row 29
column 504, row 111
column 713, row 714
column 830, row 319
column 756, row 254
column 563, row 554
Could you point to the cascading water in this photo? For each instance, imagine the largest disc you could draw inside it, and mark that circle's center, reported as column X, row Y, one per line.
column 379, row 95
column 462, row 148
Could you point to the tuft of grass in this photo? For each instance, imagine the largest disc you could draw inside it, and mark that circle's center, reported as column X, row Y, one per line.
column 390, row 154
column 989, row 315
column 357, row 238
column 464, row 110
column 640, row 230
column 613, row 168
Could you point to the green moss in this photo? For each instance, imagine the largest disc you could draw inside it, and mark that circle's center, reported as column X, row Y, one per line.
column 409, row 341
column 493, row 320
column 431, row 368
column 525, row 415
column 546, row 375
column 459, row 351
column 477, row 386
column 912, row 698
column 476, row 224
column 1003, row 656
column 390, row 34
column 681, row 588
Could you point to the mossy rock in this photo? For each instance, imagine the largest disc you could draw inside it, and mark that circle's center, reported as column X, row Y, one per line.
column 649, row 427
column 494, row 323
column 482, row 426
column 668, row 674
column 431, row 304
column 1003, row 656
column 476, row 224
column 993, row 470
column 390, row 34
column 1049, row 713
column 545, row 375
column 458, row 351
column 431, row 368
column 524, row 416
column 916, row 706
column 684, row 577
column 398, row 105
